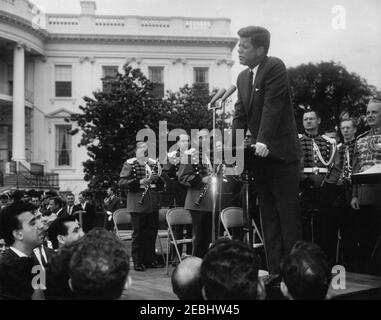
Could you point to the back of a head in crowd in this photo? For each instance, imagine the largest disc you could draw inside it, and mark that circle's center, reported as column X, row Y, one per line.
column 17, row 195
column 306, row 273
column 229, row 271
column 186, row 279
column 99, row 267
column 9, row 221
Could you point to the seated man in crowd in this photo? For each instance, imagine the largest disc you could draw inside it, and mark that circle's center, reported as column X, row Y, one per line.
column 22, row 232
column 186, row 279
column 229, row 271
column 64, row 230
column 99, row 267
column 306, row 273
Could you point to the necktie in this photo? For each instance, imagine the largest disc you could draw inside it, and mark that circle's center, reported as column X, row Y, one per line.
column 250, row 84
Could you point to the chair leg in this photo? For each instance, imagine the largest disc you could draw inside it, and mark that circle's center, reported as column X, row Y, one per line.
column 167, row 260
column 161, row 247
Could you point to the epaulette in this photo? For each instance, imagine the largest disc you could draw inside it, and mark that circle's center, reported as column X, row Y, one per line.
column 191, row 151
column 131, row 160
column 153, row 161
column 330, row 140
column 363, row 135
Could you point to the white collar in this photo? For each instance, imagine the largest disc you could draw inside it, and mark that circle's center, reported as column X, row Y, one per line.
column 18, row 252
column 38, row 251
column 255, row 69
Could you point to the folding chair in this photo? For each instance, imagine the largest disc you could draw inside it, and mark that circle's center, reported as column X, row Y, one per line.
column 232, row 217
column 177, row 216
column 162, row 233
column 122, row 216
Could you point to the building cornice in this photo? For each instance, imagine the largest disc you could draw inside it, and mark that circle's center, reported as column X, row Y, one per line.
column 146, row 39
column 23, row 23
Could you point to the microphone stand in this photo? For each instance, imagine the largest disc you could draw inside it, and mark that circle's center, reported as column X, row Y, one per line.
column 214, row 180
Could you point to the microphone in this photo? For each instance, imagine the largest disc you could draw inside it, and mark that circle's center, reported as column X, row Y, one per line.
column 228, row 93
column 217, row 96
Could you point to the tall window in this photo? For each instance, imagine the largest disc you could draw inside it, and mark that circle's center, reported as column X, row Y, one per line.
column 63, row 80
column 108, row 72
column 63, row 145
column 156, row 76
column 200, row 76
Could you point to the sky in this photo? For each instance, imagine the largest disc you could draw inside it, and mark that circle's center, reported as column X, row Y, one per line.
column 302, row 31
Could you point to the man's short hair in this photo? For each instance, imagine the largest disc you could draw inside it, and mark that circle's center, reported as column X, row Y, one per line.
column 352, row 120
column 230, row 272
column 376, row 99
column 259, row 36
column 312, row 110
column 99, row 267
column 58, row 201
column 306, row 272
column 9, row 220
column 186, row 279
column 57, row 228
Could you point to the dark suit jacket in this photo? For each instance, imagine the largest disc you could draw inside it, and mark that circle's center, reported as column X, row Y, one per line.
column 113, row 205
column 48, row 252
column 268, row 112
column 88, row 216
column 15, row 277
column 65, row 210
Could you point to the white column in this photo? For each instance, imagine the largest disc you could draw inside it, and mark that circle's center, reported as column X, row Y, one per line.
column 18, row 123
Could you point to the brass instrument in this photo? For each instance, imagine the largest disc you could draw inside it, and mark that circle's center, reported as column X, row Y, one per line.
column 147, row 186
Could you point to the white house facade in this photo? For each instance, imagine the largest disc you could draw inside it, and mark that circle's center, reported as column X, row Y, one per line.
column 49, row 62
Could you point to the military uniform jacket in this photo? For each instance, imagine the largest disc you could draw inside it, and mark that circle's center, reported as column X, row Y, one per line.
column 342, row 164
column 190, row 174
column 170, row 175
column 367, row 153
column 130, row 176
column 311, row 161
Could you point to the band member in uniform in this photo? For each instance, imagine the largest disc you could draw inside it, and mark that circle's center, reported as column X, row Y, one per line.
column 366, row 197
column 339, row 175
column 264, row 106
column 195, row 172
column 177, row 190
column 318, row 152
column 140, row 175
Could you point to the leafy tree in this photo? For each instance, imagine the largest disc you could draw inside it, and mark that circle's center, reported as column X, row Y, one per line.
column 109, row 123
column 330, row 89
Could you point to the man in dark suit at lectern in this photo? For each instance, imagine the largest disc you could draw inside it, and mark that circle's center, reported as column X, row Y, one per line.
column 264, row 107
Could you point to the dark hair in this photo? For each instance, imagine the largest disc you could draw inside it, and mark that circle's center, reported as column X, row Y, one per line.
column 9, row 219
column 58, row 201
column 230, row 271
column 99, row 267
column 306, row 272
column 354, row 122
column 186, row 279
column 259, row 36
column 112, row 188
column 312, row 110
column 57, row 228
